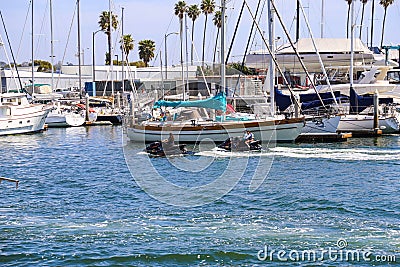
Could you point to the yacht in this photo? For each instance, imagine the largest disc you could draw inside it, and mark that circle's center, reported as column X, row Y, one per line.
column 18, row 116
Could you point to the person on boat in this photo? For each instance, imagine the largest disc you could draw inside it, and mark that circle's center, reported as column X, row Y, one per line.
column 170, row 141
column 248, row 137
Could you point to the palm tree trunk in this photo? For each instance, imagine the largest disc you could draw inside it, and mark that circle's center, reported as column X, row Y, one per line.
column 204, row 41
column 192, row 44
column 383, row 26
column 109, row 47
column 372, row 22
column 362, row 19
column 215, row 47
column 348, row 20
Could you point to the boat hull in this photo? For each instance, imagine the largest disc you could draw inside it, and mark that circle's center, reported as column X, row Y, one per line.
column 31, row 120
column 361, row 123
column 65, row 120
column 275, row 130
column 323, row 125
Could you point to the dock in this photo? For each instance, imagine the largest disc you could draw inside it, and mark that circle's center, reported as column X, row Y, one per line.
column 10, row 180
column 367, row 133
column 97, row 123
column 323, row 138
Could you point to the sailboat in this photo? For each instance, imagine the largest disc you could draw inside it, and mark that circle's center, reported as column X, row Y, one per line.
column 195, row 125
column 357, row 122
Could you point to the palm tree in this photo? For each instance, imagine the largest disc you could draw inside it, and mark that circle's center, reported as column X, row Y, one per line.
column 193, row 13
column 207, row 7
column 348, row 16
column 146, row 51
column 218, row 23
column 364, row 2
column 105, row 26
column 127, row 45
column 180, row 9
column 385, row 4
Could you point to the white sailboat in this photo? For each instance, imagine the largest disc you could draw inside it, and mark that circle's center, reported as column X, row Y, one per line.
column 65, row 116
column 364, row 123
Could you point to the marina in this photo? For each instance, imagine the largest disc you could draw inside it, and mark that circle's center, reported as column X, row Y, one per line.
column 91, row 213
column 247, row 140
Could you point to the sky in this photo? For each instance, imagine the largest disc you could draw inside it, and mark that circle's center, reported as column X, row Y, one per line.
column 153, row 19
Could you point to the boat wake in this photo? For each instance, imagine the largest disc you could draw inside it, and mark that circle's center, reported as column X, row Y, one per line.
column 349, row 154
column 220, row 153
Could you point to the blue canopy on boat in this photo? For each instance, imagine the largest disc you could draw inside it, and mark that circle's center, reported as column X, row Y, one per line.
column 217, row 102
column 358, row 102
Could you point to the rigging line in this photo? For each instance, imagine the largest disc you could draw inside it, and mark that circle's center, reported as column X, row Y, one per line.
column 296, row 102
column 234, row 33
column 23, row 29
column 9, row 62
column 66, row 44
column 41, row 29
column 12, row 54
column 201, row 69
column 297, row 53
column 318, row 54
column 248, row 41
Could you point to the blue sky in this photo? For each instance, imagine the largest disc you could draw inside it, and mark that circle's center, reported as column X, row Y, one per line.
column 152, row 19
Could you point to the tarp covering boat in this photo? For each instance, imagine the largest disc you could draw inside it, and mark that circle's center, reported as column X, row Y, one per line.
column 358, row 102
column 217, row 102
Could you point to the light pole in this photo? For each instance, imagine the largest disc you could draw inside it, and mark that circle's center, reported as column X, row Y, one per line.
column 166, row 58
column 93, row 56
column 93, row 64
column 117, row 67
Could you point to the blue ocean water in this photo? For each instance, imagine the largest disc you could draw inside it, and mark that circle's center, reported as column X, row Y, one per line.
column 78, row 204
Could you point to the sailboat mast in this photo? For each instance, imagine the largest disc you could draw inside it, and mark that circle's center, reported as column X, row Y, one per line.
column 223, row 74
column 123, row 49
column 79, row 47
column 110, row 56
column 322, row 17
column 352, row 46
column 297, row 20
column 271, row 68
column 32, row 43
column 52, row 45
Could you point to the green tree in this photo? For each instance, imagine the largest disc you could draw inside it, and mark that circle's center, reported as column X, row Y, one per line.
column 207, row 7
column 105, row 26
column 138, row 64
column 218, row 23
column 44, row 66
column 364, row 2
column 348, row 16
column 193, row 13
column 180, row 9
column 385, row 4
column 126, row 45
column 146, row 51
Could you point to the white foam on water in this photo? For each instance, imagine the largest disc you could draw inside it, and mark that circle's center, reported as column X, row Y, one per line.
column 220, row 153
column 338, row 153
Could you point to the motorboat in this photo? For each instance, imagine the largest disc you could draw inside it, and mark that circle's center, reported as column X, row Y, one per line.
column 162, row 149
column 18, row 116
column 238, row 144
